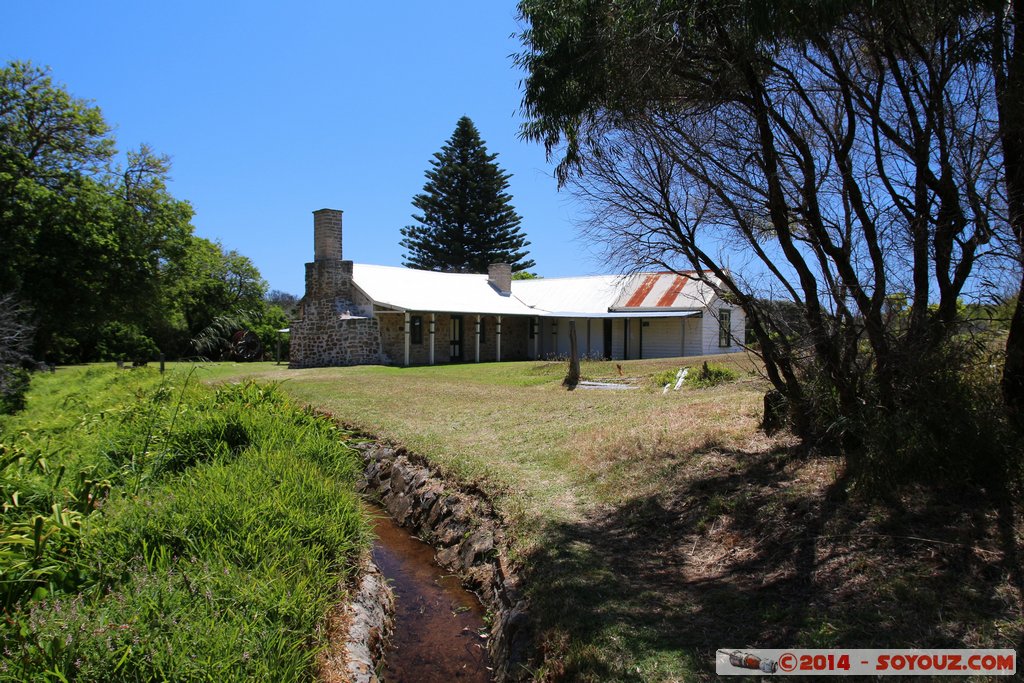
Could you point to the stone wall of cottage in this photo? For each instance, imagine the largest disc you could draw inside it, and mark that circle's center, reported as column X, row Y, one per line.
column 419, row 354
column 325, row 338
column 362, row 302
column 488, row 341
column 392, row 337
column 515, row 338
column 329, row 331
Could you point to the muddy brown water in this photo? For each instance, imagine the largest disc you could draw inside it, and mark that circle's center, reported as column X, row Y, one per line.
column 438, row 624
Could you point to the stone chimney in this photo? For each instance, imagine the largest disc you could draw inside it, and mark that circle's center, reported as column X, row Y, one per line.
column 327, row 235
column 325, row 333
column 327, row 276
column 499, row 276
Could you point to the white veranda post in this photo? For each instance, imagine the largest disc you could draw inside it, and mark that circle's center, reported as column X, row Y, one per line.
column 536, row 338
column 408, row 333
column 433, row 329
column 478, row 339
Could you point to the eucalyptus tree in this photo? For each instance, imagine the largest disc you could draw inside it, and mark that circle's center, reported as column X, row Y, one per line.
column 837, row 158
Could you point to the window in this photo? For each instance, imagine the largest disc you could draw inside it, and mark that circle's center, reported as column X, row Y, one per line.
column 724, row 325
column 416, row 329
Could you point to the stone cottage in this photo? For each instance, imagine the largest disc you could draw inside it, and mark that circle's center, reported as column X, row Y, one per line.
column 355, row 314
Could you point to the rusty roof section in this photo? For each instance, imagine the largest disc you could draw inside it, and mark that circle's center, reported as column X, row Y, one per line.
column 641, row 292
column 664, row 291
column 674, row 290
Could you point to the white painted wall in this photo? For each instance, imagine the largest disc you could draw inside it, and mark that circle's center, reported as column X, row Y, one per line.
column 589, row 335
column 563, row 337
column 663, row 337
column 581, row 336
column 710, row 328
column 618, row 325
column 693, row 336
column 554, row 336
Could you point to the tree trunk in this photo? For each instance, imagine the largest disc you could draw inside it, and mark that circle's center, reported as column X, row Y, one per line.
column 1009, row 75
column 1013, row 369
column 573, row 378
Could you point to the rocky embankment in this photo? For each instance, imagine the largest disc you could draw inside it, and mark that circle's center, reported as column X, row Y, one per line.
column 466, row 533
column 358, row 631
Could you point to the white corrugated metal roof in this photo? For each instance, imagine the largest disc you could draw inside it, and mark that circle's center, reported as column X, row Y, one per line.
column 625, row 313
column 425, row 290
column 597, row 296
column 571, row 296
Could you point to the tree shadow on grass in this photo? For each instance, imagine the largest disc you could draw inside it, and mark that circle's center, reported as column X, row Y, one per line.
column 761, row 550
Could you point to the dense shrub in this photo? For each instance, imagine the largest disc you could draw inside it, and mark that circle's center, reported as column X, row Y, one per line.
column 121, row 341
column 943, row 428
column 710, row 375
column 707, row 375
column 15, row 340
column 14, row 383
column 664, row 377
column 935, row 421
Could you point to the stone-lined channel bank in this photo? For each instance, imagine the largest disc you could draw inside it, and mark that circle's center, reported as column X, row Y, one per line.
column 438, row 624
column 467, row 541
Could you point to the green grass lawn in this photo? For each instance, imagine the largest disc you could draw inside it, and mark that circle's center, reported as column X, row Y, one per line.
column 514, row 431
column 153, row 528
column 652, row 529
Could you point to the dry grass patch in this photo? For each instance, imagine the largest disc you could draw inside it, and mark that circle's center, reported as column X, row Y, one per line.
column 618, row 455
column 513, row 431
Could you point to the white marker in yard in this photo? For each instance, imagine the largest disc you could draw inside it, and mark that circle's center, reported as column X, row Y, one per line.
column 680, row 376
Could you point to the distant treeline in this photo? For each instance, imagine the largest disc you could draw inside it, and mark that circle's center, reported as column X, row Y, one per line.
column 101, row 260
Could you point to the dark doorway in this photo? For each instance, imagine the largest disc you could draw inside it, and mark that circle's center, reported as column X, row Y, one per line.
column 607, row 338
column 455, row 335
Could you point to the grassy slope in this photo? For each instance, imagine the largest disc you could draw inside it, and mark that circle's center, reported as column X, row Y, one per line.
column 210, row 547
column 656, row 528
column 513, row 430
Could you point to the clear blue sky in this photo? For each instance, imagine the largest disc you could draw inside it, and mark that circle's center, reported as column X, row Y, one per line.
column 272, row 110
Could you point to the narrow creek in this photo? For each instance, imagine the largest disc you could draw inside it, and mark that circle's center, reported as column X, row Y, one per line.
column 437, row 622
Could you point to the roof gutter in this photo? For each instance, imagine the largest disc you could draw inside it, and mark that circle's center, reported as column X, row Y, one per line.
column 620, row 314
